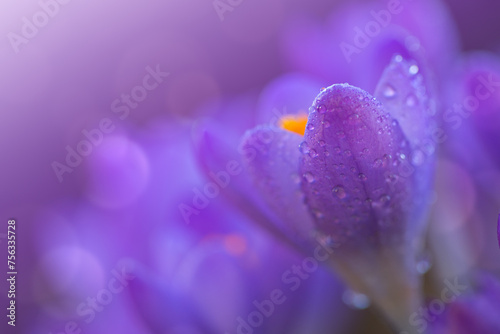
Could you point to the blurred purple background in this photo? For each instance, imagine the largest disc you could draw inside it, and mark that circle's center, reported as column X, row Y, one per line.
column 118, row 206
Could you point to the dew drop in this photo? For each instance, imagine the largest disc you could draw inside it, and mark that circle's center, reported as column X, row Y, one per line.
column 339, row 191
column 304, row 148
column 337, row 149
column 411, row 100
column 391, row 178
column 362, row 177
column 398, row 58
column 353, row 117
column 355, row 300
column 322, row 143
column 309, row 177
column 377, row 163
column 347, row 153
column 384, row 199
column 418, row 158
column 341, row 134
column 326, row 124
column 413, row 69
column 389, row 92
column 313, row 153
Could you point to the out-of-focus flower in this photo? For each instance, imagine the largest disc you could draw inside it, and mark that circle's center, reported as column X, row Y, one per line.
column 359, row 183
column 358, row 39
column 470, row 121
column 473, row 312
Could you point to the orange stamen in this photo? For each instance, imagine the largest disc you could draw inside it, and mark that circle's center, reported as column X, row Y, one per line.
column 294, row 123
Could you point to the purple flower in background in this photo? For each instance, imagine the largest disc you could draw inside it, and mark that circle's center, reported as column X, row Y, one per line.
column 474, row 311
column 357, row 180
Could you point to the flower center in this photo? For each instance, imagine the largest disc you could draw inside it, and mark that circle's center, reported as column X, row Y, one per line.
column 294, row 123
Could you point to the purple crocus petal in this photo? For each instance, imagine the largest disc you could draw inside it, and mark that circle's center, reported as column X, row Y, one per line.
column 498, row 230
column 403, row 92
column 214, row 153
column 369, row 65
column 351, row 153
column 406, row 94
column 272, row 156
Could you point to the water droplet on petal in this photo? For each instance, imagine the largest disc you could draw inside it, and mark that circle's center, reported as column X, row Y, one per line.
column 309, row 177
column 418, row 158
column 355, row 300
column 341, row 134
column 362, row 177
column 326, row 124
column 384, row 199
column 353, row 117
column 377, row 163
column 304, row 148
column 389, row 91
column 413, row 69
column 347, row 153
column 398, row 58
column 337, row 149
column 322, row 143
column 321, row 109
column 313, row 153
column 339, row 191
column 411, row 100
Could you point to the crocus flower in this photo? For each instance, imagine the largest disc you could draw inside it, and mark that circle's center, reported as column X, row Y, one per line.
column 358, row 183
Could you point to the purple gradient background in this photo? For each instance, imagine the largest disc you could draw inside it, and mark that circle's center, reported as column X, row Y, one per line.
column 121, row 203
